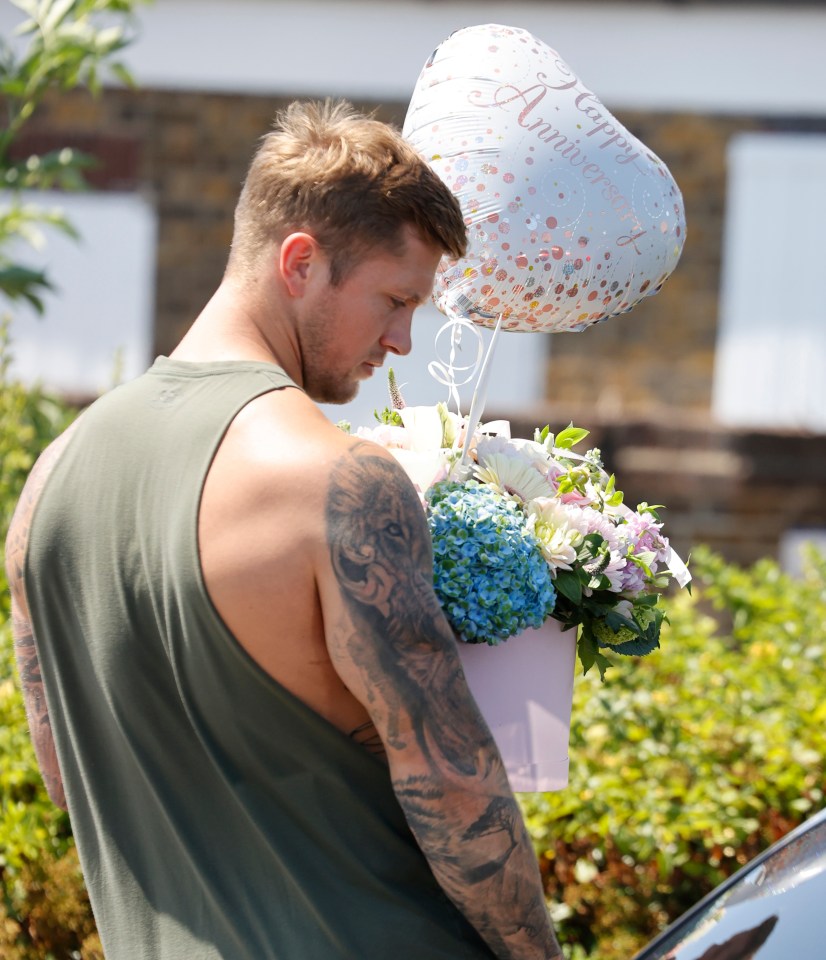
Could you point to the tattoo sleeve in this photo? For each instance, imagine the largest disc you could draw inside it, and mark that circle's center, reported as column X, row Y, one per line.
column 25, row 645
column 446, row 770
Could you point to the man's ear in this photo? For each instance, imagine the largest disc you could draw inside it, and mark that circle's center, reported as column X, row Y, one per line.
column 300, row 258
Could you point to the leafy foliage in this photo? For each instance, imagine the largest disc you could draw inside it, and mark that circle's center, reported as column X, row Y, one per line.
column 41, row 889
column 587, row 596
column 692, row 761
column 66, row 44
column 44, row 909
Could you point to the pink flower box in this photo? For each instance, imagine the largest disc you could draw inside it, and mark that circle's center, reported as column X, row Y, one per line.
column 524, row 688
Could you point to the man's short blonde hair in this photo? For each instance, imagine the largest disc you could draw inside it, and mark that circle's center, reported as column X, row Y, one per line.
column 351, row 181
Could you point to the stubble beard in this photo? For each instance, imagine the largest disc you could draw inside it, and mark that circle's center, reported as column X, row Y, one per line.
column 320, row 382
column 327, row 389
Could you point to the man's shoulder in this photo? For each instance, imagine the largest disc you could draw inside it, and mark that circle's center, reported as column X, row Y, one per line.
column 282, row 461
column 285, row 432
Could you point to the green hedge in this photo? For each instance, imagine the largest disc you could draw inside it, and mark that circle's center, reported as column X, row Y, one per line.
column 684, row 764
column 44, row 910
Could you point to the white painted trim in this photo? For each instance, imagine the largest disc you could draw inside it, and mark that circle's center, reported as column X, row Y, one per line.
column 702, row 58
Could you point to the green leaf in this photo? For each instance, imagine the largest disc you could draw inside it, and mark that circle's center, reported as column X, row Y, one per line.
column 55, row 15
column 644, row 560
column 570, row 436
column 637, row 647
column 34, row 301
column 568, row 584
column 122, row 72
column 110, row 39
column 57, row 169
column 616, row 621
column 610, row 485
column 589, row 654
column 27, row 26
column 587, row 651
column 18, row 282
column 389, row 417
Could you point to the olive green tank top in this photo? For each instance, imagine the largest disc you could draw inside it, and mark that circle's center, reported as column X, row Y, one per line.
column 215, row 814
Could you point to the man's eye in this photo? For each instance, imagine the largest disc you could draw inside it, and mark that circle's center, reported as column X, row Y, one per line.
column 397, row 303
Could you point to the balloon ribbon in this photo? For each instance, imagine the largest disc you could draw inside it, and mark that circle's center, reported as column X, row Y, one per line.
column 480, row 394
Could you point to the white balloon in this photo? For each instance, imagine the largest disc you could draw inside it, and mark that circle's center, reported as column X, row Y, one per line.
column 571, row 219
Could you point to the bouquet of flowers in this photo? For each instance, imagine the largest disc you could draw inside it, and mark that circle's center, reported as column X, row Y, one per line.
column 524, row 530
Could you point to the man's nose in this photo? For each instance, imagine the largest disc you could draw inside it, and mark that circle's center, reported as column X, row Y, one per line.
column 398, row 337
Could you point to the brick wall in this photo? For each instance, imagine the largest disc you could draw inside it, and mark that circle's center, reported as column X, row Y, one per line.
column 189, row 153
column 641, row 382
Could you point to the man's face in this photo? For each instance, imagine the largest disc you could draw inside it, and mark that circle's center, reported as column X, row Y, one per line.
column 347, row 330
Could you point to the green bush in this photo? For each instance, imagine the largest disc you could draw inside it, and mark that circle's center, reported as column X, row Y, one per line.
column 61, row 45
column 686, row 763
column 44, row 911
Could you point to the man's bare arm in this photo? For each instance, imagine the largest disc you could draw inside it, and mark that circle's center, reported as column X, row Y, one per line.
column 25, row 646
column 394, row 648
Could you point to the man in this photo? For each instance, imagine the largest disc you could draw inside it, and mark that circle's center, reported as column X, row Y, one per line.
column 249, row 692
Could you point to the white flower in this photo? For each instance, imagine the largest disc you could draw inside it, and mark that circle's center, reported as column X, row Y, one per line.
column 424, row 428
column 424, row 467
column 515, row 478
column 422, row 456
column 554, row 526
column 518, row 469
column 527, row 450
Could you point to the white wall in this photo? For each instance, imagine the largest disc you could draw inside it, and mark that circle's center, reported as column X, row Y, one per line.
column 703, row 58
column 98, row 320
column 731, row 58
column 753, row 58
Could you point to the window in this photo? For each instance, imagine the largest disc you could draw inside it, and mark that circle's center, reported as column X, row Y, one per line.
column 770, row 369
column 98, row 324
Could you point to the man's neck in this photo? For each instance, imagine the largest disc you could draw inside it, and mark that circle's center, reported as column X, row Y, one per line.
column 235, row 325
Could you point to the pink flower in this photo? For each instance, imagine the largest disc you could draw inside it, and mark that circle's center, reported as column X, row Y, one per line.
column 644, row 534
column 386, row 435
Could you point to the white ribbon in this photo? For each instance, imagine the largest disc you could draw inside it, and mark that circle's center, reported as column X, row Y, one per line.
column 445, row 371
column 480, row 394
column 678, row 569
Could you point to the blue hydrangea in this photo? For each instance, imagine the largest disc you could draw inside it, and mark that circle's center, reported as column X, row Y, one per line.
column 490, row 576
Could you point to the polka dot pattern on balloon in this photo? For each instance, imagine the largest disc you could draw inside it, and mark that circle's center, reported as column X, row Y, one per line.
column 571, row 219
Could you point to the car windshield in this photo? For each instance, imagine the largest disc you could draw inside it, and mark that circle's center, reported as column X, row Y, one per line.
column 775, row 910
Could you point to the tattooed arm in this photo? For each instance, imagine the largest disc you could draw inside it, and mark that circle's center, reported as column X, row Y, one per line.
column 25, row 646
column 393, row 647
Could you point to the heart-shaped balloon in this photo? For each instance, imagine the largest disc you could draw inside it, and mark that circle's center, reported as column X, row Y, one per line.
column 571, row 219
